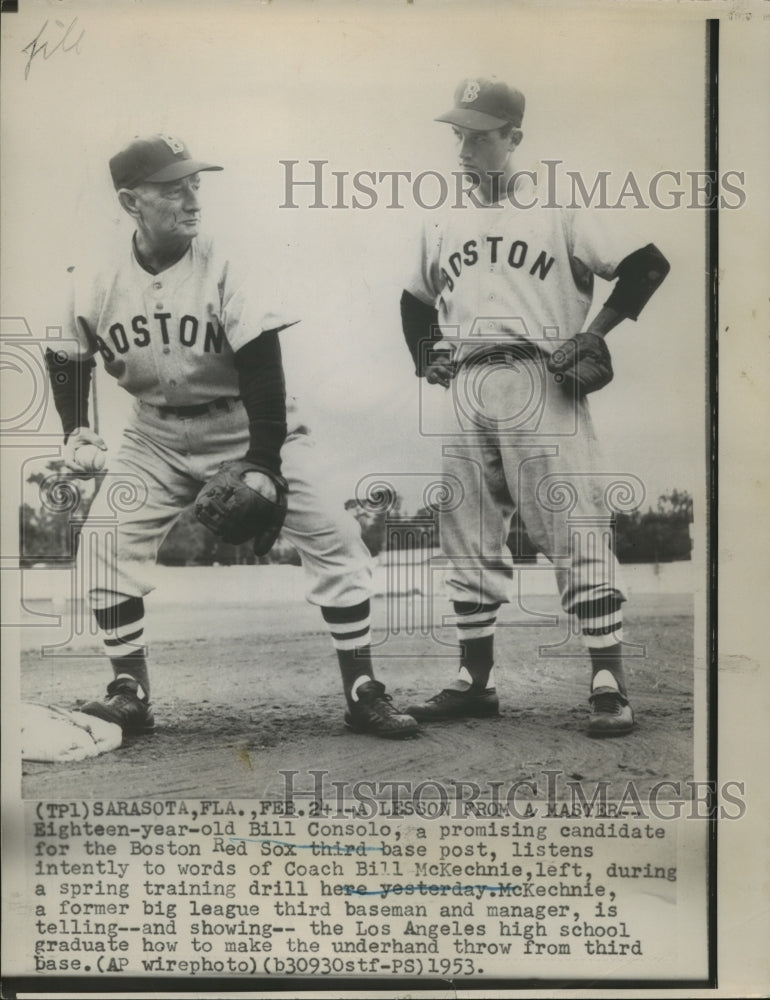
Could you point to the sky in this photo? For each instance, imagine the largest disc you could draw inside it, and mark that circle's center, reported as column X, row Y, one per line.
column 358, row 86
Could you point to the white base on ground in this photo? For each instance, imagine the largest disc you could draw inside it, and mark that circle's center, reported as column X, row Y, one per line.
column 53, row 734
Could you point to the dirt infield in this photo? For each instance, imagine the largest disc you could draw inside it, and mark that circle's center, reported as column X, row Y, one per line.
column 243, row 694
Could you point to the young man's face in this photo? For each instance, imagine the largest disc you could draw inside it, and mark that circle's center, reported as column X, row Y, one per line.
column 485, row 153
column 169, row 212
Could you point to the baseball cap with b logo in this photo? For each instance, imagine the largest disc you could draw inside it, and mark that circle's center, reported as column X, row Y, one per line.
column 482, row 104
column 156, row 158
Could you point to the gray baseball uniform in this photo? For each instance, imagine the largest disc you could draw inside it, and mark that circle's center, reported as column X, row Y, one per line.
column 193, row 338
column 504, row 277
column 495, row 312
column 169, row 340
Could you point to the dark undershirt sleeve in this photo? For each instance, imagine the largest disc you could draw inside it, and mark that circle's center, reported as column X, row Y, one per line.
column 71, row 386
column 639, row 275
column 263, row 391
column 420, row 325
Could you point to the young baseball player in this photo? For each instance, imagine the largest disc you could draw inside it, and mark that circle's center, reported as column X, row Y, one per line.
column 495, row 313
column 191, row 338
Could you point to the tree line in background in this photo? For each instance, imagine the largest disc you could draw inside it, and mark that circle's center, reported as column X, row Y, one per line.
column 48, row 534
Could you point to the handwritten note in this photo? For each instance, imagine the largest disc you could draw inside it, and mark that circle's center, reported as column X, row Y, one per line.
column 54, row 36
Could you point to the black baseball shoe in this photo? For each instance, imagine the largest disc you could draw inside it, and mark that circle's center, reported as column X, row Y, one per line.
column 124, row 707
column 472, row 703
column 374, row 713
column 611, row 713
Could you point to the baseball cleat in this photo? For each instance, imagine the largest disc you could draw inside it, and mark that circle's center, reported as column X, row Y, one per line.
column 611, row 714
column 122, row 706
column 374, row 713
column 474, row 703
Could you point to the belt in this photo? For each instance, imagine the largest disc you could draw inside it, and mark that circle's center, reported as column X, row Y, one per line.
column 495, row 354
column 198, row 409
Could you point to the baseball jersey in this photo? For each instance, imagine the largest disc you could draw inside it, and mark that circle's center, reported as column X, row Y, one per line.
column 521, row 273
column 169, row 338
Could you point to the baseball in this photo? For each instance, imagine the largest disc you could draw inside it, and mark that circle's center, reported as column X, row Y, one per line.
column 90, row 457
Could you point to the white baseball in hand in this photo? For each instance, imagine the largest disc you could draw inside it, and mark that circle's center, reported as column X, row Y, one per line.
column 262, row 484
column 90, row 457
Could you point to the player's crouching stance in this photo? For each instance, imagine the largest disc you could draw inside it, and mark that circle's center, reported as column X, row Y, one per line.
column 197, row 346
column 496, row 291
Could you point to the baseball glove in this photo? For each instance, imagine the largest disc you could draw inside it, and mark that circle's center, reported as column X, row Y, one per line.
column 583, row 360
column 235, row 512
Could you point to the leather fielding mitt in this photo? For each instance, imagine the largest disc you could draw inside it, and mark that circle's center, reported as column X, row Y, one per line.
column 235, row 512
column 583, row 360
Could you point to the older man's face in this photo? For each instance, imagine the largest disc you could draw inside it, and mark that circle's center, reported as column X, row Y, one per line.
column 169, row 212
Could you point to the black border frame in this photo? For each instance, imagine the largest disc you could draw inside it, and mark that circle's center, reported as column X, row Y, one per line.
column 712, row 533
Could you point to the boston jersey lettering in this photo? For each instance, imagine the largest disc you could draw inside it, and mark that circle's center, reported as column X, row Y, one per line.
column 139, row 332
column 496, row 250
column 169, row 338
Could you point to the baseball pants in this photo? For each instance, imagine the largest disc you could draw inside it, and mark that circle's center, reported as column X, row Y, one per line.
column 517, row 441
column 159, row 468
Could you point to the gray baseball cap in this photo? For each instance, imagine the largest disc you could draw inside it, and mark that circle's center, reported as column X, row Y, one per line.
column 155, row 158
column 482, row 104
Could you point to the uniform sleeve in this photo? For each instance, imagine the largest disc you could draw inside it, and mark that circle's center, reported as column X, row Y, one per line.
column 77, row 308
column 600, row 239
column 423, row 280
column 253, row 302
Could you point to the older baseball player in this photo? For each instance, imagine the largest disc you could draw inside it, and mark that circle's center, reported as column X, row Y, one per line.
column 194, row 340
column 495, row 312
